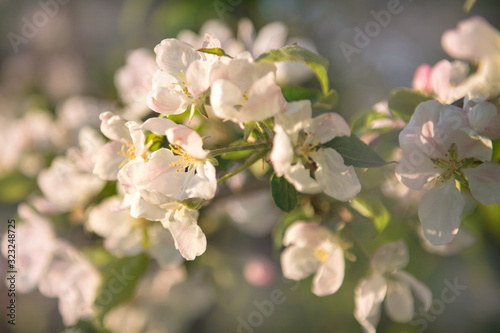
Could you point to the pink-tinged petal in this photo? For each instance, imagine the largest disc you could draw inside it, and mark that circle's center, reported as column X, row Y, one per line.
column 481, row 115
column 471, row 145
column 174, row 56
column 330, row 274
column 189, row 140
column 114, row 127
column 271, row 36
column 246, row 32
column 298, row 263
column 439, row 212
column 282, row 153
column 399, row 302
column 415, row 170
column 295, row 117
column 306, row 235
column 422, row 79
column 338, row 180
column 424, row 112
column 420, row 290
column 327, row 126
column 440, row 79
column 301, row 179
column 265, row 100
column 390, row 257
column 157, row 125
column 188, row 236
column 197, row 75
column 166, row 100
column 109, row 159
column 484, row 182
column 368, row 296
column 473, row 39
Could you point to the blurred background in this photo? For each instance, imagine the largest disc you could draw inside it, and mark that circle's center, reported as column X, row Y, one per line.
column 78, row 50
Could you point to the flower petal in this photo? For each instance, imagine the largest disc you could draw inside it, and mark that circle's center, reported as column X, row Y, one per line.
column 390, row 257
column 109, row 159
column 282, row 153
column 330, row 274
column 419, row 289
column 399, row 302
column 327, row 126
column 439, row 212
column 368, row 296
column 339, row 181
column 484, row 182
column 298, row 263
column 306, row 234
column 188, row 236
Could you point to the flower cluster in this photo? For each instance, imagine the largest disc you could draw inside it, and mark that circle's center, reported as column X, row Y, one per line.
column 144, row 195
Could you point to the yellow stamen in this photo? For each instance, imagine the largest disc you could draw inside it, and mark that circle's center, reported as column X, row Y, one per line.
column 320, row 255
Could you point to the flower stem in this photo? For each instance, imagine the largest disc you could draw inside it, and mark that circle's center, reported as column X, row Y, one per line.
column 219, row 151
column 245, row 166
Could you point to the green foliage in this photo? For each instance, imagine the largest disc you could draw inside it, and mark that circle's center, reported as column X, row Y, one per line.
column 402, row 102
column 284, row 194
column 118, row 283
column 373, row 208
column 317, row 63
column 361, row 123
column 15, row 187
column 215, row 50
column 327, row 101
column 355, row 152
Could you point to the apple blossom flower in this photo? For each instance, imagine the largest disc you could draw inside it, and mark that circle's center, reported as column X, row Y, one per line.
column 183, row 78
column 39, row 242
column 440, row 79
column 294, row 157
column 483, row 118
column 244, row 90
column 271, row 36
column 134, row 81
column 475, row 40
column 128, row 236
column 387, row 282
column 74, row 281
column 440, row 149
column 74, row 172
column 54, row 267
column 312, row 248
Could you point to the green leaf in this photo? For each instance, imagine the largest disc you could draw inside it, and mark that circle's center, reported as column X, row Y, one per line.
column 496, row 151
column 362, row 123
column 468, row 5
column 317, row 63
column 328, row 101
column 284, row 194
column 373, row 208
column 118, row 283
column 355, row 152
column 215, row 50
column 402, row 102
column 15, row 187
column 298, row 93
